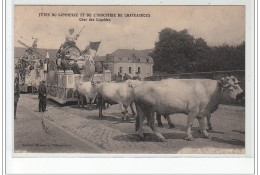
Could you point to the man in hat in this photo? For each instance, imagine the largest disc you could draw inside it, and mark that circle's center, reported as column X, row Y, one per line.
column 70, row 39
column 126, row 77
column 16, row 92
column 119, row 77
column 75, row 68
column 42, row 96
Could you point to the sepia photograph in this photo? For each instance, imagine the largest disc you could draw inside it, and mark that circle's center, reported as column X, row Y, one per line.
column 129, row 79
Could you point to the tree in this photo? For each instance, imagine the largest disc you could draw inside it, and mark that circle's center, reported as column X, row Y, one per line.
column 173, row 51
column 227, row 57
column 178, row 52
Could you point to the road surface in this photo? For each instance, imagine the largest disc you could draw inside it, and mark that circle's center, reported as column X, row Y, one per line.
column 69, row 129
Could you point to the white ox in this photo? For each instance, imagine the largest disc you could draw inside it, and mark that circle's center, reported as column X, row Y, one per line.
column 114, row 93
column 232, row 80
column 85, row 90
column 194, row 97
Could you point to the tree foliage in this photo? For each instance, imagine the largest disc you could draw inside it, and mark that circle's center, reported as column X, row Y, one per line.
column 179, row 52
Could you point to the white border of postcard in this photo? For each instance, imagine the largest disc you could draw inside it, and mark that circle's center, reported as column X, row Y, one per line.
column 137, row 163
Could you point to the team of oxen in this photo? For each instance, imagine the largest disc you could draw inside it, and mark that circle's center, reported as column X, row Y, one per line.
column 197, row 98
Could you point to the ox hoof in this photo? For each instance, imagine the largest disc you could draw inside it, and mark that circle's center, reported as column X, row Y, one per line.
column 160, row 125
column 207, row 137
column 172, row 126
column 210, row 128
column 189, row 138
column 141, row 136
column 163, row 140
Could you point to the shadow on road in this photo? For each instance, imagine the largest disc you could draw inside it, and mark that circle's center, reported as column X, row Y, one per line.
column 174, row 135
column 86, row 107
column 124, row 121
column 216, row 132
column 148, row 137
column 240, row 132
column 178, row 127
column 116, row 117
column 121, row 114
column 56, row 104
column 107, row 118
column 151, row 137
column 231, row 141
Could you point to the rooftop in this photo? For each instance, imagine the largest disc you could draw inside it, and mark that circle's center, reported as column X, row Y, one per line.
column 120, row 55
column 20, row 51
column 127, row 56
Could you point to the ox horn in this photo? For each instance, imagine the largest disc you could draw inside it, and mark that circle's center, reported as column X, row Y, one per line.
column 225, row 85
column 223, row 82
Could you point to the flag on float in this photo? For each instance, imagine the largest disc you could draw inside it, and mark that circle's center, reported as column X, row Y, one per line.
column 94, row 45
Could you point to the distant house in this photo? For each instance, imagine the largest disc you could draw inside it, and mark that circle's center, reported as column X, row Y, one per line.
column 131, row 62
column 19, row 52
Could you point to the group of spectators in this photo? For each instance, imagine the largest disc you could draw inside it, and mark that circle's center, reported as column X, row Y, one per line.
column 24, row 66
column 120, row 78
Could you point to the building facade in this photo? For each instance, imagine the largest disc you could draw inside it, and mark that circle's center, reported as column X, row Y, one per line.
column 131, row 62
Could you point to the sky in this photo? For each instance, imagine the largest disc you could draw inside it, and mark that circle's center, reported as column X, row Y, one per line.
column 216, row 24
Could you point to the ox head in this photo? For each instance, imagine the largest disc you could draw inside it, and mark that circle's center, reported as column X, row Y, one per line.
column 230, row 88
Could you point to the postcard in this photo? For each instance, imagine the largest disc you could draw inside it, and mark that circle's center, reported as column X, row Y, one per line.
column 131, row 81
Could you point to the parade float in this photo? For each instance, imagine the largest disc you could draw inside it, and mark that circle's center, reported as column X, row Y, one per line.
column 30, row 68
column 71, row 66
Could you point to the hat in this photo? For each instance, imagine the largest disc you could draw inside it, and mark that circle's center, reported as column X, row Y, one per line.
column 71, row 29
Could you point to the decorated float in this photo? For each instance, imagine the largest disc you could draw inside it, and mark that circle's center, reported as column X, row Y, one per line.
column 71, row 66
column 30, row 68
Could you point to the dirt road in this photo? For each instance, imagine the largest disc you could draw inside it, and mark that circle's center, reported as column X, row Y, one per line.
column 70, row 129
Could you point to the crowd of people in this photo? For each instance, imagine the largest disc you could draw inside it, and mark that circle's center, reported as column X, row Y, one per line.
column 25, row 66
column 120, row 78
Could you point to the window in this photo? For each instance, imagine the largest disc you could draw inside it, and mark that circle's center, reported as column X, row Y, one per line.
column 120, row 69
column 130, row 70
column 139, row 70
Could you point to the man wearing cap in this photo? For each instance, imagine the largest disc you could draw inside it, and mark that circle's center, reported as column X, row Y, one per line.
column 70, row 39
column 42, row 96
